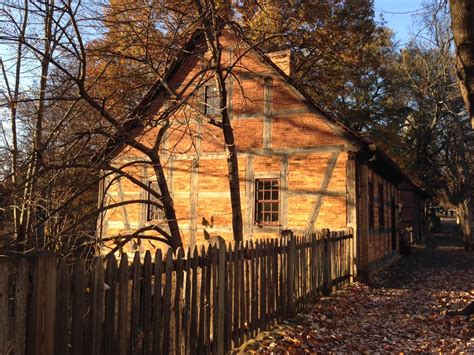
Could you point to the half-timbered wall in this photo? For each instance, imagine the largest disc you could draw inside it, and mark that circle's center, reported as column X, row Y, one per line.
column 278, row 136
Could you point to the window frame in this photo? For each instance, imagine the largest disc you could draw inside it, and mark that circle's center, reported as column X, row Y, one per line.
column 211, row 102
column 151, row 208
column 259, row 214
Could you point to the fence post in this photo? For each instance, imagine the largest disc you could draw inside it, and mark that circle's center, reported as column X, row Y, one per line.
column 3, row 304
column 221, row 291
column 327, row 263
column 41, row 307
column 291, row 275
column 351, row 255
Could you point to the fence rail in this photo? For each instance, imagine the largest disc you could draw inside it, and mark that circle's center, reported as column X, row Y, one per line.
column 202, row 301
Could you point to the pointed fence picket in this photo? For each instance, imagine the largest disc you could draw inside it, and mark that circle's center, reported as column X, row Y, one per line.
column 205, row 301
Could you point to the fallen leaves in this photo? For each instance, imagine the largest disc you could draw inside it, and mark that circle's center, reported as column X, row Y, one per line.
column 413, row 316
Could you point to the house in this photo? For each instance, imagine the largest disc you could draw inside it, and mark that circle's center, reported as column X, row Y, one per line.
column 299, row 168
column 413, row 215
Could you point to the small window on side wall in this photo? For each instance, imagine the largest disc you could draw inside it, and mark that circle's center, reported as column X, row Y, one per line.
column 267, row 202
column 211, row 100
column 154, row 213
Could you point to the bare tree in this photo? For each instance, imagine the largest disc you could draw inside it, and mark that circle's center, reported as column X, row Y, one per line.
column 58, row 47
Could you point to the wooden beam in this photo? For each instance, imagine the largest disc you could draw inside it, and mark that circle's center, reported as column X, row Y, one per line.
column 194, row 193
column 351, row 207
column 284, row 193
column 313, row 214
column 249, row 198
column 317, row 192
column 123, row 209
column 363, row 236
column 143, row 208
column 276, row 113
column 326, row 148
column 193, row 202
column 142, row 216
column 267, row 112
column 41, row 314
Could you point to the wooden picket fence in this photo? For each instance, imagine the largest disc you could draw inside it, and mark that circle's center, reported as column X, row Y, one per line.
column 203, row 301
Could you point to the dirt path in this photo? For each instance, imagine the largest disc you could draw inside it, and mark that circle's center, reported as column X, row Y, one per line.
column 405, row 308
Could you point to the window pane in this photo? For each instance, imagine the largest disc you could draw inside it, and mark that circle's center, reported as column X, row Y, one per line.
column 266, row 201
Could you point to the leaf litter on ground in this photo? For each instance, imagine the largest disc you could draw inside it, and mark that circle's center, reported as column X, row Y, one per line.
column 414, row 317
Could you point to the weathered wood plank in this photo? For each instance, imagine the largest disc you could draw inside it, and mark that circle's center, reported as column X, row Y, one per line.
column 236, row 300
column 247, row 319
column 42, row 304
column 157, row 303
column 4, row 274
column 194, row 303
column 215, row 299
column 242, row 295
column 146, row 309
column 228, row 299
column 290, row 264
column 110, row 339
column 135, row 338
column 78, row 307
column 221, row 291
column 202, row 299
column 123, row 306
column 263, row 286
column 177, row 299
column 21, row 301
column 253, row 285
column 97, row 307
column 327, row 263
column 62, row 309
column 208, row 307
column 187, row 301
column 167, row 302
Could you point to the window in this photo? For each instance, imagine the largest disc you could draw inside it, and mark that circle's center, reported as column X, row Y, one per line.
column 211, row 100
column 371, row 204
column 267, row 201
column 154, row 213
column 381, row 206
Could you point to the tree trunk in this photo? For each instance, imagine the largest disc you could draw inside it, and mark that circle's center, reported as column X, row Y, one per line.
column 464, row 213
column 462, row 24
column 212, row 29
column 167, row 201
column 232, row 163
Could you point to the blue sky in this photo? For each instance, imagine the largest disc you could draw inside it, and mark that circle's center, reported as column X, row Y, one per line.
column 398, row 15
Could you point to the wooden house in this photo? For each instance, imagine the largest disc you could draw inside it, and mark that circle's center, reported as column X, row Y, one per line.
column 413, row 217
column 300, row 169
